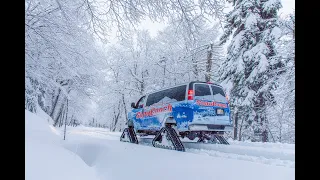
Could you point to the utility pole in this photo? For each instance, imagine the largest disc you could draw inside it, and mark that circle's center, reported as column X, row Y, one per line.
column 209, row 63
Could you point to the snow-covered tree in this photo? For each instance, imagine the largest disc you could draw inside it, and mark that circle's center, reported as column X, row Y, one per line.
column 60, row 56
column 251, row 57
column 281, row 115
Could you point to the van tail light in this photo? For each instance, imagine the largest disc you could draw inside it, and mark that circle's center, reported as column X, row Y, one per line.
column 190, row 94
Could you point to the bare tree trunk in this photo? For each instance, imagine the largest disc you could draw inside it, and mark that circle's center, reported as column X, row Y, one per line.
column 264, row 128
column 265, row 136
column 240, row 135
column 195, row 68
column 163, row 60
column 125, row 107
column 235, row 126
column 58, row 117
column 271, row 135
column 116, row 118
column 62, row 117
column 54, row 103
column 142, row 85
column 71, row 122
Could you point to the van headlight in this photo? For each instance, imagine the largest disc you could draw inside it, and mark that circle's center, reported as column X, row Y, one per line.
column 220, row 111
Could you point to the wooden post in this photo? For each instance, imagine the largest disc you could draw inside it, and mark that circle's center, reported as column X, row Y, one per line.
column 65, row 123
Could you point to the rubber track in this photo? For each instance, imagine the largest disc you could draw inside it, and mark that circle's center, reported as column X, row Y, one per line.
column 173, row 137
column 132, row 135
column 221, row 139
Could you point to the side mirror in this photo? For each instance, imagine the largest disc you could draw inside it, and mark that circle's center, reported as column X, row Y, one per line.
column 133, row 105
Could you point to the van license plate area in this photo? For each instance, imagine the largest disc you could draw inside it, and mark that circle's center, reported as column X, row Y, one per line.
column 220, row 111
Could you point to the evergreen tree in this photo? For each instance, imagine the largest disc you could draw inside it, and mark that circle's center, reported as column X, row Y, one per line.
column 251, row 57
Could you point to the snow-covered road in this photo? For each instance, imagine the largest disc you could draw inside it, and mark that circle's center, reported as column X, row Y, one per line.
column 110, row 159
column 278, row 154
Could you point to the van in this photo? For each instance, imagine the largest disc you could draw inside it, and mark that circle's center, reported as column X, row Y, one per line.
column 195, row 109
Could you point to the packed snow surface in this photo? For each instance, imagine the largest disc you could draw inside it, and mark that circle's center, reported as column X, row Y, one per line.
column 96, row 153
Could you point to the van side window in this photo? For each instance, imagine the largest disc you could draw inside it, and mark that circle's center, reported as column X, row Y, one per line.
column 175, row 94
column 167, row 96
column 151, row 99
column 202, row 92
column 180, row 94
column 140, row 102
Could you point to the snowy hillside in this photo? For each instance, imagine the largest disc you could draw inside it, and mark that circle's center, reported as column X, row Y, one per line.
column 95, row 153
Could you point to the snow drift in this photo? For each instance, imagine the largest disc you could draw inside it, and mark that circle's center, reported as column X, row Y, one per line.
column 46, row 158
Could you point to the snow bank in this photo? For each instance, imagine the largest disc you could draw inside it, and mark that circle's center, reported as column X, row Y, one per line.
column 46, row 158
column 43, row 115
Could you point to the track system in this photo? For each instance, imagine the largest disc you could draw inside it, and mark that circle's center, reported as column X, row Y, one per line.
column 129, row 135
column 220, row 139
column 167, row 138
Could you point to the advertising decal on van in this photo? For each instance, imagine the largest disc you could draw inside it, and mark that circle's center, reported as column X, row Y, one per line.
column 204, row 103
column 154, row 111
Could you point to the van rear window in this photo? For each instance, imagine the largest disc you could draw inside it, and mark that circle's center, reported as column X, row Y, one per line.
column 202, row 92
column 167, row 96
column 217, row 90
column 218, row 94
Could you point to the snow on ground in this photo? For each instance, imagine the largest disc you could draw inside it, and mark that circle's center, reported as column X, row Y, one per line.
column 111, row 158
column 101, row 151
column 46, row 158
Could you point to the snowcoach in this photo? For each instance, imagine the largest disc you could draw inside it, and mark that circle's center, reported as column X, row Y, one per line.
column 193, row 112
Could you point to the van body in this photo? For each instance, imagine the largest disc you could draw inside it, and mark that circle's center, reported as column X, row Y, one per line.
column 195, row 106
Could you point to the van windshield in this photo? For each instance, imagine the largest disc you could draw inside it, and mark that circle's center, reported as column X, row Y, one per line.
column 203, row 92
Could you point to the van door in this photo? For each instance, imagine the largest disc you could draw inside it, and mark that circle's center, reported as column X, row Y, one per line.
column 137, row 112
column 149, row 118
column 165, row 103
column 204, row 111
column 220, row 99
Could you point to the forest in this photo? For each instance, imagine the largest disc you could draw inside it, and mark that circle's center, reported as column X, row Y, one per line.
column 78, row 76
